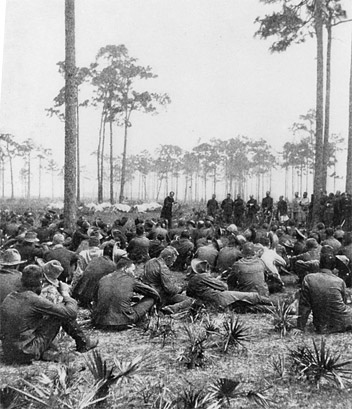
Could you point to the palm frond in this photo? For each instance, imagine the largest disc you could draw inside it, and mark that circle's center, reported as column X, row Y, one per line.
column 236, row 333
column 319, row 364
column 283, row 318
column 259, row 399
column 191, row 398
column 223, row 389
column 197, row 344
column 99, row 367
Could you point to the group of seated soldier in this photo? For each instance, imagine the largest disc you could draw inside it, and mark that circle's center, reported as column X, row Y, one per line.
column 120, row 273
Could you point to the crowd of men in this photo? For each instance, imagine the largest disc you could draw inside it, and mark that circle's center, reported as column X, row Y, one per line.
column 334, row 209
column 124, row 271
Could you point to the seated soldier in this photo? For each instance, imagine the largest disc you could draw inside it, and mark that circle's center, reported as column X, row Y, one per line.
column 228, row 255
column 324, row 294
column 184, row 247
column 10, row 277
column 157, row 275
column 138, row 247
column 212, row 291
column 307, row 262
column 114, row 307
column 248, row 273
column 86, row 288
column 29, row 322
column 209, row 252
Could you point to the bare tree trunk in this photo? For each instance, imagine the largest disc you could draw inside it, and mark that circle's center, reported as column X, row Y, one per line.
column 102, row 160
column 327, row 109
column 319, row 110
column 2, row 179
column 78, row 160
column 349, row 148
column 100, row 187
column 123, row 169
column 111, row 166
column 70, row 203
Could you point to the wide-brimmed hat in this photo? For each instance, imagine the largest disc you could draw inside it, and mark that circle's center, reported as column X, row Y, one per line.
column 58, row 238
column 209, row 218
column 52, row 270
column 11, row 257
column 31, row 237
column 240, row 239
column 339, row 234
column 288, row 243
column 118, row 254
column 191, row 222
column 300, row 234
column 312, row 243
column 169, row 251
column 232, row 228
column 198, row 265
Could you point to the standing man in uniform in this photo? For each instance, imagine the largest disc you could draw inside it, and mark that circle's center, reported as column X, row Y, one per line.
column 227, row 207
column 166, row 211
column 212, row 206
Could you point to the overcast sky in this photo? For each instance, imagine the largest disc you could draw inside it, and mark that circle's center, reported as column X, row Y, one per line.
column 222, row 81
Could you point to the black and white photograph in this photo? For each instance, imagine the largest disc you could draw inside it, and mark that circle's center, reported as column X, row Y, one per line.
column 176, row 204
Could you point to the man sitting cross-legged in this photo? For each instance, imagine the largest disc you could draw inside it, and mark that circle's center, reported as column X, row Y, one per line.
column 29, row 322
column 115, row 308
column 157, row 275
column 212, row 291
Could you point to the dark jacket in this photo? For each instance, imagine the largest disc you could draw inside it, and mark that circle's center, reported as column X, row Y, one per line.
column 115, row 292
column 10, row 280
column 324, row 295
column 67, row 258
column 157, row 275
column 87, row 287
column 22, row 314
column 248, row 275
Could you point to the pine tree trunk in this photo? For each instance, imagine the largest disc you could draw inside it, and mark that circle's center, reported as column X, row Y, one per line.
column 349, row 149
column 319, row 111
column 327, row 109
column 78, row 160
column 100, row 187
column 102, row 160
column 70, row 203
column 123, row 169
column 111, row 166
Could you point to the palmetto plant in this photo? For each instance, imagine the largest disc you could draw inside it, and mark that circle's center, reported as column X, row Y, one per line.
column 236, row 333
column 195, row 353
column 212, row 326
column 319, row 364
column 57, row 392
column 283, row 319
column 191, row 398
column 105, row 377
column 225, row 389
